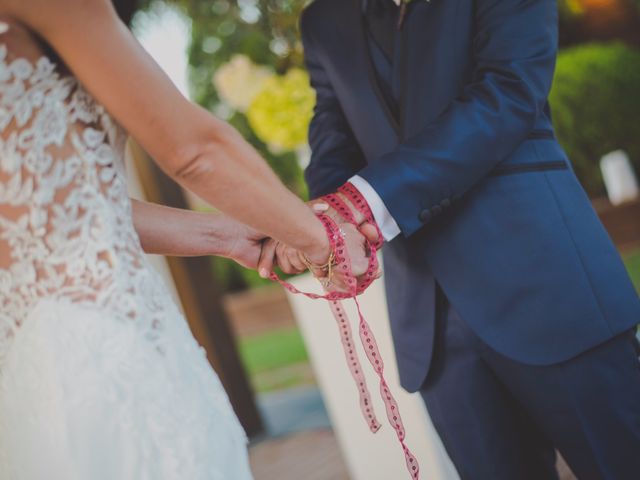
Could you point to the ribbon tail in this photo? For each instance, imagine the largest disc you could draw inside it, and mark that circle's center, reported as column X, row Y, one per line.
column 391, row 405
column 346, row 335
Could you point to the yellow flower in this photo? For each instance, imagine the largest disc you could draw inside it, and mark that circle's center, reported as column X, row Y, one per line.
column 239, row 81
column 281, row 112
column 575, row 7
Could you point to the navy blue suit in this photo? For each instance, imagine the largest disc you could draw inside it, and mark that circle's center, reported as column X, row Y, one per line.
column 455, row 136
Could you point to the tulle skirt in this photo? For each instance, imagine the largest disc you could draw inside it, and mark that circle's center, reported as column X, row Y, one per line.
column 86, row 396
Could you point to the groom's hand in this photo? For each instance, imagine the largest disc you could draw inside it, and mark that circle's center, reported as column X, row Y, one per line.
column 367, row 229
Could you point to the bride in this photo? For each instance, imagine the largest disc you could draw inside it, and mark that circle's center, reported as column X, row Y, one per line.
column 100, row 377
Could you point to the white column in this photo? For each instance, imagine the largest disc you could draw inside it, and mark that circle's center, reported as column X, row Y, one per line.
column 619, row 178
column 368, row 456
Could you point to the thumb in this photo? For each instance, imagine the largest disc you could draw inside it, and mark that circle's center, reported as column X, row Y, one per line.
column 266, row 261
column 369, row 231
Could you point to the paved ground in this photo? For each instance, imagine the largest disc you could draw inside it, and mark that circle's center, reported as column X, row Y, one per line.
column 259, row 311
column 299, row 444
column 292, row 411
column 311, row 455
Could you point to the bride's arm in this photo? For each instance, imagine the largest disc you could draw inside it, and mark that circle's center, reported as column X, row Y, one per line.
column 204, row 154
column 176, row 232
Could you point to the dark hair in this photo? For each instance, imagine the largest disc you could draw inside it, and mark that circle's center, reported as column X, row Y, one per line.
column 125, row 9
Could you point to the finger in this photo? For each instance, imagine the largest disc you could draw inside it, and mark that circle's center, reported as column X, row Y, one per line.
column 357, row 215
column 295, row 260
column 318, row 272
column 320, row 207
column 359, row 266
column 326, row 209
column 283, row 261
column 265, row 264
column 370, row 232
column 356, row 248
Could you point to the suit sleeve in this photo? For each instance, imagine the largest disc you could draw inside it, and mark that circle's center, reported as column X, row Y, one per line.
column 514, row 56
column 335, row 156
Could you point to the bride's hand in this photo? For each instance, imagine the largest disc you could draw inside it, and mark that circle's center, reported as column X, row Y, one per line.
column 244, row 244
column 290, row 260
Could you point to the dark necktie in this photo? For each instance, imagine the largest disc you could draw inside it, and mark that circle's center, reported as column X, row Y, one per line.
column 382, row 19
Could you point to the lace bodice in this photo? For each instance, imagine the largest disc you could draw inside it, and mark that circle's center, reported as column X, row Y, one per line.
column 65, row 216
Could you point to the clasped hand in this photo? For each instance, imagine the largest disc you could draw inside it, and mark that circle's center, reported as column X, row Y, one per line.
column 292, row 261
column 253, row 250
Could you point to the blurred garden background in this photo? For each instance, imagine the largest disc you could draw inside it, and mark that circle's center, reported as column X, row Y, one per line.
column 243, row 60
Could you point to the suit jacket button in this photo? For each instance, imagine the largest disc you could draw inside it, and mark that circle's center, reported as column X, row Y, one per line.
column 425, row 216
column 436, row 210
column 446, row 202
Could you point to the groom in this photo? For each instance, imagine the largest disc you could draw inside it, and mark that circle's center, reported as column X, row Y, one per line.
column 511, row 311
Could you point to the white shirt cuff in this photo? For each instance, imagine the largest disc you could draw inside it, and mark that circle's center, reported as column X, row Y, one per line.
column 383, row 218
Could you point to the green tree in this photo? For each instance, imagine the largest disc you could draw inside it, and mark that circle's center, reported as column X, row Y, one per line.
column 596, row 107
column 582, row 21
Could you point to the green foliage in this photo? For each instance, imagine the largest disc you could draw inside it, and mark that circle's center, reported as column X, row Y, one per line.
column 281, row 112
column 273, row 350
column 632, row 262
column 596, row 106
column 569, row 10
column 276, row 360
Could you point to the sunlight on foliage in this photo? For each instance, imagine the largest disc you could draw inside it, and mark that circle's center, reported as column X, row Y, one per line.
column 281, row 112
column 240, row 81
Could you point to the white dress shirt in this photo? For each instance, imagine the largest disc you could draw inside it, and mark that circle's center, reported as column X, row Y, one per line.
column 385, row 221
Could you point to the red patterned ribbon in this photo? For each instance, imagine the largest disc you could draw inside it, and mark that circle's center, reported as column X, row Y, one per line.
column 356, row 286
column 360, row 203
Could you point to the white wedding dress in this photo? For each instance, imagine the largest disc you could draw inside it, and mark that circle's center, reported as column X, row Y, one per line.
column 100, row 376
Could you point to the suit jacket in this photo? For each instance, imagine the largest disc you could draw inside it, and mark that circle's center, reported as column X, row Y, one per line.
column 470, row 169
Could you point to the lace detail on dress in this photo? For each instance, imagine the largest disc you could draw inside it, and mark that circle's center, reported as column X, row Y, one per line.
column 65, row 219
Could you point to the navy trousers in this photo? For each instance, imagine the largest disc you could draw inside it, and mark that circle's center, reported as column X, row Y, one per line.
column 503, row 420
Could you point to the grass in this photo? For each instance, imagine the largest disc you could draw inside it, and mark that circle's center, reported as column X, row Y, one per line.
column 276, row 360
column 632, row 262
column 272, row 350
